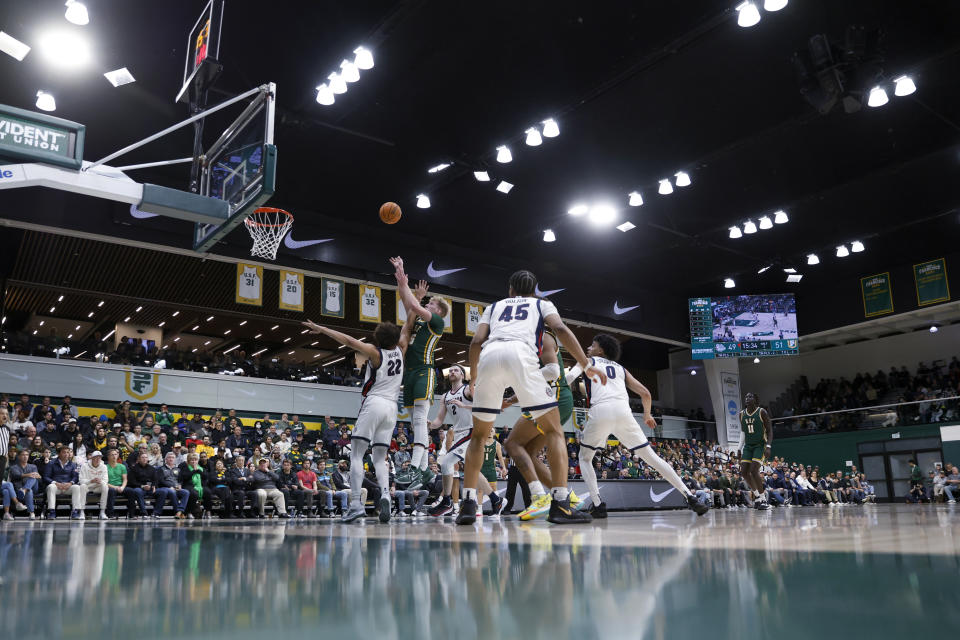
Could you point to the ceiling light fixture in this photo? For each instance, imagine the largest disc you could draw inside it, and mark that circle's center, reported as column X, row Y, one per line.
column 904, row 86
column 177, row 339
column 363, row 58
column 325, row 95
column 162, row 323
column 578, row 209
column 41, row 323
column 682, row 179
column 842, row 251
column 206, row 343
column 789, row 270
column 813, row 259
column 304, row 331
column 549, row 236
column 127, row 319
column 780, row 217
column 227, row 332
column 76, row 328
column 337, row 84
column 119, row 77
column 756, row 361
column 533, row 137
column 140, row 308
column 60, row 299
column 856, row 246
column 766, row 268
column 90, row 315
column 195, row 328
column 503, row 154
column 236, row 346
column 290, row 353
column 665, row 187
column 76, row 13
column 550, row 128
column 257, row 336
column 287, row 340
column 504, row 187
column 243, row 323
column 626, row 226
column 481, row 176
column 934, row 328
column 208, row 319
column 64, row 49
column 46, row 101
column 794, row 277
column 602, row 214
column 349, row 71
column 735, row 233
column 747, row 14
column 728, row 283
column 438, row 168
column 635, row 199
column 109, row 334
column 13, row 47
column 766, row 222
column 423, row 202
column 693, row 372
column 878, row 97
column 52, row 309
column 774, row 5
column 749, row 227
column 274, row 327
column 101, row 304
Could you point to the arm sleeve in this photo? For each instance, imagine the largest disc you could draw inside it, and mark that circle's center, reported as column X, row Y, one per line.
column 574, row 373
column 485, row 318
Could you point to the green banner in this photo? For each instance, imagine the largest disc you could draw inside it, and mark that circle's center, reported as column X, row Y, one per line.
column 931, row 280
column 27, row 136
column 877, row 295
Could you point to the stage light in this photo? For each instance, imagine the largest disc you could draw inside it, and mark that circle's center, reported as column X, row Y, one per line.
column 856, row 246
column 794, row 277
column 325, row 94
column 682, row 179
column 337, row 83
column 728, row 283
column 549, row 236
column 64, row 49
column 13, row 47
column 119, row 77
column 842, row 251
column 780, row 217
column 533, row 137
column 438, row 168
column 774, row 5
column 504, row 187
column 349, row 71
column 578, row 209
column 749, row 227
column 735, row 233
column 766, row 222
column 665, row 187
column 550, row 128
column 813, row 259
column 602, row 214
column 635, row 199
column 481, row 176
column 503, row 154
column 626, row 226
column 423, row 202
column 363, row 58
column 904, row 86
column 877, row 98
column 747, row 14
column 76, row 13
column 45, row 101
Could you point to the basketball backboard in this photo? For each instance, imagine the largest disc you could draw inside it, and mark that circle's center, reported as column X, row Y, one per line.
column 202, row 60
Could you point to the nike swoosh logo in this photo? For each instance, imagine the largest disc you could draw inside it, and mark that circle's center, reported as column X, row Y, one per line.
column 247, row 393
column 439, row 273
column 136, row 213
column 657, row 497
column 95, row 380
column 545, row 294
column 175, row 389
column 617, row 309
column 290, row 243
column 311, row 398
column 23, row 376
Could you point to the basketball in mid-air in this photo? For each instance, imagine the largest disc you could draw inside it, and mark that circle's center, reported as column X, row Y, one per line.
column 390, row 212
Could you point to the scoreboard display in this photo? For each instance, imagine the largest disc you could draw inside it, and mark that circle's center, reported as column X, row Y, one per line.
column 743, row 326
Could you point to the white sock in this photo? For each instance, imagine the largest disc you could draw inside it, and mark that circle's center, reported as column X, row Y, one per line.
column 420, row 433
column 664, row 469
column 418, row 452
column 536, row 488
column 359, row 447
column 589, row 474
column 560, row 493
column 380, row 467
column 470, row 494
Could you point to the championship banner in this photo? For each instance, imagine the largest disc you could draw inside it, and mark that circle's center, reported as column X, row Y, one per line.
column 931, row 280
column 332, row 297
column 877, row 295
column 291, row 290
column 369, row 303
column 249, row 284
column 448, row 319
column 401, row 311
column 730, row 388
column 473, row 314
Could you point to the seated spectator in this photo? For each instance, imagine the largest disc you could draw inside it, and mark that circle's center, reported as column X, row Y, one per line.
column 63, row 478
column 951, row 485
column 155, row 457
column 241, row 483
column 289, row 485
column 169, row 487
column 93, row 479
column 219, row 483
column 117, row 484
column 25, row 479
column 191, row 476
column 265, row 484
column 141, row 480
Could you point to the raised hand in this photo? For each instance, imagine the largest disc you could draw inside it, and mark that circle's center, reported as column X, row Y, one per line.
column 313, row 326
column 595, row 373
column 421, row 291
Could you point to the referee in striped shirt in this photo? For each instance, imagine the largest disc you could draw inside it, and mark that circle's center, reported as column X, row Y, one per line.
column 4, row 439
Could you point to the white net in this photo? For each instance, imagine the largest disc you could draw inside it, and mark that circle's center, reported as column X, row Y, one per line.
column 267, row 226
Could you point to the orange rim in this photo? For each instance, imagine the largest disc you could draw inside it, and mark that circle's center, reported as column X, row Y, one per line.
column 255, row 223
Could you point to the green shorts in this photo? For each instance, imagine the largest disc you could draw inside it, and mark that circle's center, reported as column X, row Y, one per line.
column 489, row 472
column 564, row 406
column 754, row 452
column 418, row 384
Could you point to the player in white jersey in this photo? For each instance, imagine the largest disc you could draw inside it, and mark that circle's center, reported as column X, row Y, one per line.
column 505, row 353
column 457, row 403
column 378, row 410
column 610, row 413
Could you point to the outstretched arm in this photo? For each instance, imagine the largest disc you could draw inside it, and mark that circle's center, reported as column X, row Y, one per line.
column 638, row 388
column 372, row 353
column 406, row 333
column 410, row 302
column 437, row 422
column 569, row 341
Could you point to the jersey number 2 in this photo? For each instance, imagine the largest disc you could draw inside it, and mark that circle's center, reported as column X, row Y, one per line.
column 508, row 313
column 393, row 367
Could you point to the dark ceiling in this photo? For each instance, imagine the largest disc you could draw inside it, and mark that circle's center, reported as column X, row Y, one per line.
column 640, row 90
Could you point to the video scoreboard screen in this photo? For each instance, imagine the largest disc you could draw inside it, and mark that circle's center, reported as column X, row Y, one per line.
column 743, row 326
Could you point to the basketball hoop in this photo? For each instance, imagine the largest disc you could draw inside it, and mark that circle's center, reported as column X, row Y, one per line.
column 267, row 226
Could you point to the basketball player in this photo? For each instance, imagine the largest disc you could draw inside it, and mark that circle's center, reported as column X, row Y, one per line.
column 610, row 413
column 418, row 380
column 757, row 430
column 505, row 353
column 457, row 403
column 378, row 409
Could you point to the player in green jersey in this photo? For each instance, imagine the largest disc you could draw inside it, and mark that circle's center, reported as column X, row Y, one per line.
column 419, row 378
column 757, row 430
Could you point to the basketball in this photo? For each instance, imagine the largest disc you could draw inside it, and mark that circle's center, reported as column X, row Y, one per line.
column 390, row 212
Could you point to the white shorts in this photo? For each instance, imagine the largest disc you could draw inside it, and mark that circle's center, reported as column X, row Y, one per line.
column 460, row 442
column 377, row 419
column 612, row 418
column 510, row 364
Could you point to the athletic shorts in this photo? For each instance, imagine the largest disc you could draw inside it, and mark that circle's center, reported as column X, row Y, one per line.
column 510, row 364
column 753, row 452
column 564, row 404
column 377, row 419
column 489, row 473
column 418, row 384
column 612, row 418
column 460, row 442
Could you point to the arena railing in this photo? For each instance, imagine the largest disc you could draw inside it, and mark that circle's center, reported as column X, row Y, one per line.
column 899, row 414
